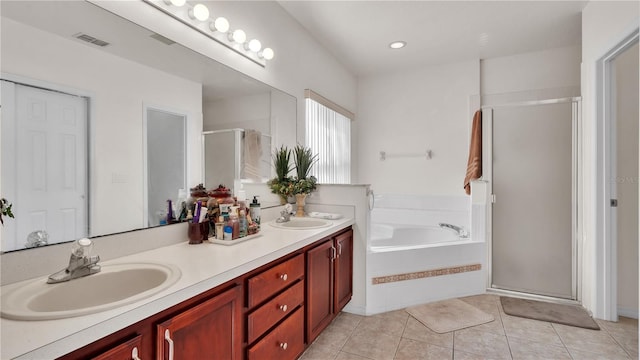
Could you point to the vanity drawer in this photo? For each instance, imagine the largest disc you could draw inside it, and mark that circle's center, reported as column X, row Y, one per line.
column 284, row 342
column 269, row 282
column 275, row 310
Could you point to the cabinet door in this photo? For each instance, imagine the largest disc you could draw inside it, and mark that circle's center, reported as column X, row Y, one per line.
column 319, row 300
column 210, row 330
column 129, row 350
column 343, row 270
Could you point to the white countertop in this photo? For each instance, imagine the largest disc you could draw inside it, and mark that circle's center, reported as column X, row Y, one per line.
column 204, row 266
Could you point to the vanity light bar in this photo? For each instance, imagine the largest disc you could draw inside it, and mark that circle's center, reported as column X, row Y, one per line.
column 198, row 17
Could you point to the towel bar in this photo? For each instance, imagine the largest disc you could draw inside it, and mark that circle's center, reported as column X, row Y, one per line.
column 384, row 155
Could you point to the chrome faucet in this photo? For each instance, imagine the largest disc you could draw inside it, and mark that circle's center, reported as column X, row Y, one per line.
column 462, row 232
column 80, row 263
column 285, row 215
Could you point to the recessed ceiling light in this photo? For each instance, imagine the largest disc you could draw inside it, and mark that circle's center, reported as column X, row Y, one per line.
column 397, row 44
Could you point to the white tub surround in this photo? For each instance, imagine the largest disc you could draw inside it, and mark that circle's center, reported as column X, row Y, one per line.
column 203, row 266
column 411, row 260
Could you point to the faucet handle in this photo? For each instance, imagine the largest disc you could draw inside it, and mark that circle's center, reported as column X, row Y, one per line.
column 82, row 247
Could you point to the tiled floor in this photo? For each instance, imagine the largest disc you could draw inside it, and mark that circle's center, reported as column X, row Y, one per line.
column 396, row 335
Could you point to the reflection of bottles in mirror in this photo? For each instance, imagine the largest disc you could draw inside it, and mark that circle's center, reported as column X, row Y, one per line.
column 161, row 217
column 37, row 238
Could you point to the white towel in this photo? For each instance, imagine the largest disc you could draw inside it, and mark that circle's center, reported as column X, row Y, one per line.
column 252, row 154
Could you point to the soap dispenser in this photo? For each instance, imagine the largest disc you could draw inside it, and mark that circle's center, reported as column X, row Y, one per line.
column 254, row 210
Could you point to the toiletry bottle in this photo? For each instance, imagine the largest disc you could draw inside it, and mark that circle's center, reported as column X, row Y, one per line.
column 243, row 224
column 235, row 225
column 254, row 211
column 220, row 228
column 228, row 233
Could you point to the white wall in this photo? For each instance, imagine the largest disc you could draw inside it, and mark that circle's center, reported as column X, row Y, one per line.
column 626, row 75
column 536, row 75
column 244, row 112
column 604, row 24
column 116, row 107
column 300, row 61
column 412, row 111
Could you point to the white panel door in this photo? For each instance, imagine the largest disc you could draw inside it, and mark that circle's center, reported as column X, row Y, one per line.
column 532, row 246
column 50, row 164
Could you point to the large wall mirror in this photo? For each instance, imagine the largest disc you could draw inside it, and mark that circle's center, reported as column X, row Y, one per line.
column 103, row 121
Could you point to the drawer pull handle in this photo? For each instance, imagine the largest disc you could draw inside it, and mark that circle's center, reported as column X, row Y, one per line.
column 167, row 337
column 134, row 354
column 283, row 308
column 284, row 346
column 284, row 277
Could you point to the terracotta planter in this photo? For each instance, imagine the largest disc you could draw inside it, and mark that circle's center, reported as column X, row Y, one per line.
column 300, row 202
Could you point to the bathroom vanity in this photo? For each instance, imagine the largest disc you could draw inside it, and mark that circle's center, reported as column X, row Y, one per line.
column 265, row 298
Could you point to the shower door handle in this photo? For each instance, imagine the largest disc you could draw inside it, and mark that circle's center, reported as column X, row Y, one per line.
column 614, row 202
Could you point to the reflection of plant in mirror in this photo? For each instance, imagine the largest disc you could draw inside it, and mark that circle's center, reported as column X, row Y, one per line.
column 281, row 184
column 5, row 209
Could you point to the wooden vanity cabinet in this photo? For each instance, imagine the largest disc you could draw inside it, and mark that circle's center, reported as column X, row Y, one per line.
column 275, row 313
column 129, row 350
column 210, row 330
column 329, row 281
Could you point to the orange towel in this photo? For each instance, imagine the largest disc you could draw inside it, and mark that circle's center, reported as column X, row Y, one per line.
column 474, row 164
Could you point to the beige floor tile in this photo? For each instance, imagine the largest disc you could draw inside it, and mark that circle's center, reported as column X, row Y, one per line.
column 373, row 344
column 346, row 356
column 391, row 323
column 415, row 330
column 623, row 324
column 316, row 352
column 347, row 320
column 534, row 350
column 482, row 343
column 528, row 329
column 593, row 341
column 586, row 355
column 484, row 298
column 334, row 336
column 417, row 350
column 463, row 355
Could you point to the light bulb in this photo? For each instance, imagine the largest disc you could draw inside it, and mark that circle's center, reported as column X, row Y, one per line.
column 266, row 54
column 199, row 12
column 253, row 45
column 397, row 44
column 238, row 36
column 220, row 24
column 175, row 2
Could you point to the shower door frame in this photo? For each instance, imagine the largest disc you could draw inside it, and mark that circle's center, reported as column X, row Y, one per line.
column 576, row 156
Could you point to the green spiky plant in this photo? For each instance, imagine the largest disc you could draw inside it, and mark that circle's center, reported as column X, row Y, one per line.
column 304, row 160
column 281, row 184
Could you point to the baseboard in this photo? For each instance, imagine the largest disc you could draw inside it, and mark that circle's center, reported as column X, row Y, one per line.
column 626, row 312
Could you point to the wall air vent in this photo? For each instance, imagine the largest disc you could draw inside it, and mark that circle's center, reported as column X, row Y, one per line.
column 90, row 39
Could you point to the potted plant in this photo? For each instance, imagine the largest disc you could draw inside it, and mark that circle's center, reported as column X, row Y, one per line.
column 282, row 183
column 303, row 184
column 5, row 209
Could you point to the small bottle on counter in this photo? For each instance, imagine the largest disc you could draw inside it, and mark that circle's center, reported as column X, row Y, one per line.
column 220, row 228
column 228, row 233
column 254, row 211
column 235, row 225
column 242, row 224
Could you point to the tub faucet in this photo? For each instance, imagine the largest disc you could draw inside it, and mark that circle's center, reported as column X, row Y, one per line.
column 459, row 229
column 80, row 263
column 285, row 215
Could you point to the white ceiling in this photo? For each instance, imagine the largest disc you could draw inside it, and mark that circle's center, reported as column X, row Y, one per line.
column 358, row 33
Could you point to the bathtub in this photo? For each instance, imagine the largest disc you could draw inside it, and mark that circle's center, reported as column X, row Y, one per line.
column 395, row 237
column 411, row 260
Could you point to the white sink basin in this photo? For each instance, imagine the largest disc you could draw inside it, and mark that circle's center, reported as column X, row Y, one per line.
column 303, row 223
column 115, row 285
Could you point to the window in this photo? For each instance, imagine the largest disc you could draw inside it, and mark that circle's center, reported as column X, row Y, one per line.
column 328, row 134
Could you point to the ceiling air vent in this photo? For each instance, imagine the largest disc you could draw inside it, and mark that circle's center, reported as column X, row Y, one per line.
column 162, row 39
column 91, row 39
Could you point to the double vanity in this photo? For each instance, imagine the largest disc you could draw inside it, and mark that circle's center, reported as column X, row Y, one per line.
column 268, row 297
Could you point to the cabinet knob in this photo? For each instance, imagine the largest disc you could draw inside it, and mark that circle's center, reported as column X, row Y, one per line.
column 284, row 277
column 283, row 308
column 284, row 346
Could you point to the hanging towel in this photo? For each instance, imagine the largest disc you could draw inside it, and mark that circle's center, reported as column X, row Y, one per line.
column 252, row 154
column 474, row 164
